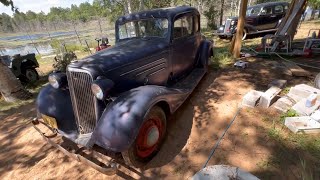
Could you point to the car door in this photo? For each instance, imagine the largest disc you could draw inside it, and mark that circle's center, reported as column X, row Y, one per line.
column 266, row 18
column 183, row 45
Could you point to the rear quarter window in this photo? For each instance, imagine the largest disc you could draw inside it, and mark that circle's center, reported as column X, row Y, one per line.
column 278, row 9
column 266, row 10
column 183, row 27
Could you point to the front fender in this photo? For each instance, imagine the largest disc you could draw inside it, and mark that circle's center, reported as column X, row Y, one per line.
column 57, row 103
column 120, row 122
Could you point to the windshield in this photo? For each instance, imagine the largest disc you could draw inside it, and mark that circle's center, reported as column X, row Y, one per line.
column 253, row 11
column 156, row 27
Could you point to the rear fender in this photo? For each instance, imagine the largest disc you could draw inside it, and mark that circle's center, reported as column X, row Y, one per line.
column 27, row 63
column 120, row 122
column 206, row 51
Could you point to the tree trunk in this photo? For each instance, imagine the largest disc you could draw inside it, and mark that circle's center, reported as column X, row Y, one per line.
column 127, row 7
column 10, row 87
column 237, row 39
column 232, row 7
column 239, row 7
column 141, row 5
column 221, row 12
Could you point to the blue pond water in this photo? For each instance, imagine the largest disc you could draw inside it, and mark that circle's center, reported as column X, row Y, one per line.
column 36, row 36
column 44, row 49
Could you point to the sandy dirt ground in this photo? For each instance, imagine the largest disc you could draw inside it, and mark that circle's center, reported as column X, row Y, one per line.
column 192, row 133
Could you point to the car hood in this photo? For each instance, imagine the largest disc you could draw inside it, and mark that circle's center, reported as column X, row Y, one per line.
column 123, row 53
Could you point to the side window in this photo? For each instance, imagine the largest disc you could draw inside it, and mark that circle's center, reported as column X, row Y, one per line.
column 196, row 24
column 183, row 27
column 266, row 11
column 278, row 9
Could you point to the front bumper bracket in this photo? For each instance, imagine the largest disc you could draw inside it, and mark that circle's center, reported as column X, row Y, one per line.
column 109, row 169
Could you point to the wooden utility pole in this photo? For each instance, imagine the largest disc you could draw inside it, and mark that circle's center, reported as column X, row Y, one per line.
column 221, row 11
column 237, row 39
column 74, row 27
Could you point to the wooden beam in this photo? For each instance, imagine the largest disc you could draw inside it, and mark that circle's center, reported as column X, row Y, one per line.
column 237, row 39
column 290, row 22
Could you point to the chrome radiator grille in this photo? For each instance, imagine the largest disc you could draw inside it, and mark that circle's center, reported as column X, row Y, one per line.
column 83, row 101
column 227, row 26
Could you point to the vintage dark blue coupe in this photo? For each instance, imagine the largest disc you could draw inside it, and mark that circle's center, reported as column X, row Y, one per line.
column 120, row 99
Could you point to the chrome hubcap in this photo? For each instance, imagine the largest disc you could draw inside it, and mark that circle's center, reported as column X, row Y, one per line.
column 31, row 75
column 153, row 136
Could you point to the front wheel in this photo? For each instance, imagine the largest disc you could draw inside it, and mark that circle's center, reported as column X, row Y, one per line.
column 149, row 139
column 30, row 75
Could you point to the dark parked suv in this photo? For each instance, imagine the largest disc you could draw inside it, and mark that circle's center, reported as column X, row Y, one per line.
column 119, row 100
column 260, row 18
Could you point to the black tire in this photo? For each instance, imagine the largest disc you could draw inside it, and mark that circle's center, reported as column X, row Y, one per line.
column 30, row 75
column 317, row 81
column 133, row 156
column 208, row 60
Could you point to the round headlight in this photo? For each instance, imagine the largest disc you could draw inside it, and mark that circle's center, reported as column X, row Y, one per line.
column 58, row 80
column 97, row 91
column 53, row 81
column 101, row 87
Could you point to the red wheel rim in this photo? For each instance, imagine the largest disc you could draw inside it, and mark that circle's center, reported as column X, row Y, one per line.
column 149, row 137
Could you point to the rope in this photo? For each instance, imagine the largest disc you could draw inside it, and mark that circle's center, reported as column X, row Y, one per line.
column 305, row 65
column 219, row 140
column 274, row 53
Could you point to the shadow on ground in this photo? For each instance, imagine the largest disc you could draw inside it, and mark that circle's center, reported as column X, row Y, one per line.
column 192, row 132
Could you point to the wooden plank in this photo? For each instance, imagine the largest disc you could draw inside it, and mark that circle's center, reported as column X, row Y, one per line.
column 291, row 21
column 295, row 69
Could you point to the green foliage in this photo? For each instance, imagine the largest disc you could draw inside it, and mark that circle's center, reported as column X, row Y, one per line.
column 212, row 15
column 265, row 1
column 274, row 134
column 63, row 18
column 62, row 61
column 9, row 3
column 222, row 58
column 315, row 4
column 58, row 46
column 290, row 113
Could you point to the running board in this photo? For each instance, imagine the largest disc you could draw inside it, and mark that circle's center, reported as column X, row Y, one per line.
column 258, row 32
column 191, row 81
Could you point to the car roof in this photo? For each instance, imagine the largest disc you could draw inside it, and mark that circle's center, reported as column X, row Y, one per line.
column 268, row 4
column 169, row 13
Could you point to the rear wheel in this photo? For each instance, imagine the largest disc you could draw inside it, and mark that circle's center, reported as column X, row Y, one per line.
column 149, row 139
column 245, row 33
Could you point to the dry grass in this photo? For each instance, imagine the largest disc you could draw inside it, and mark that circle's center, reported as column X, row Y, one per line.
column 303, row 30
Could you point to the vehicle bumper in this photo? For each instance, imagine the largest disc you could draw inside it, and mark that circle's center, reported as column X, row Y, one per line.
column 88, row 157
